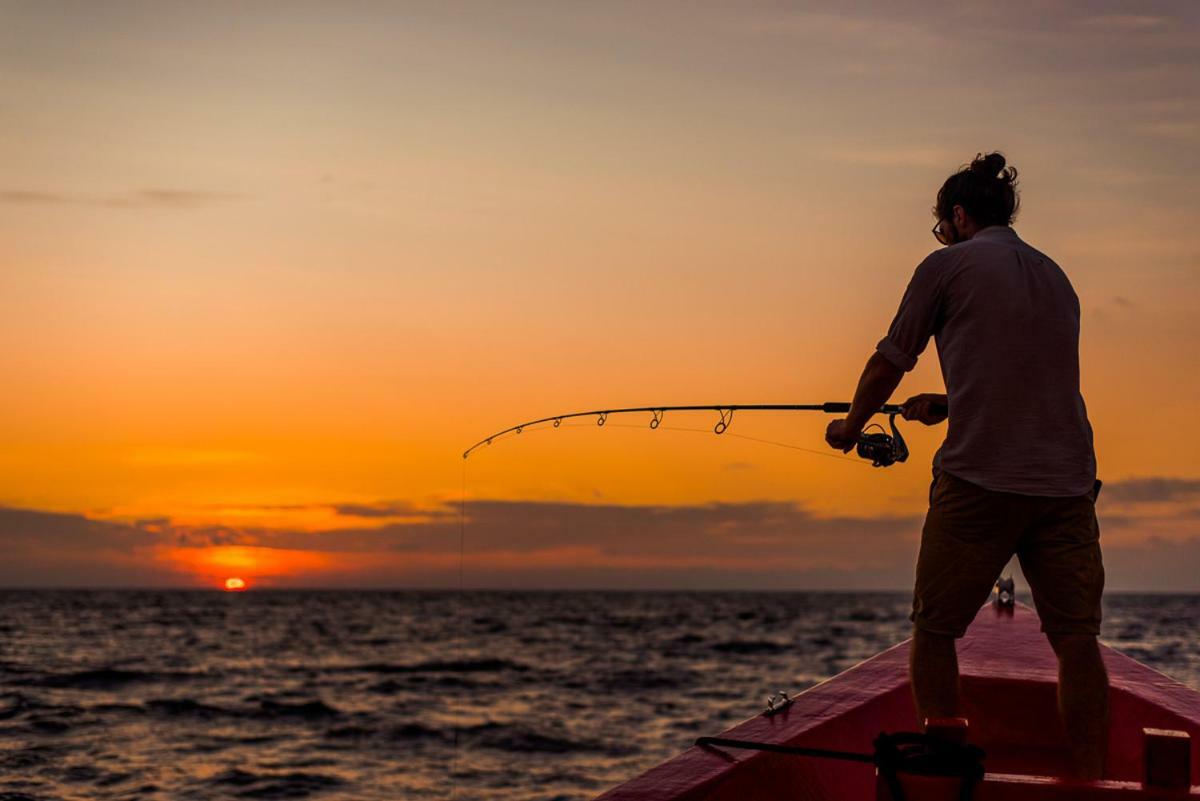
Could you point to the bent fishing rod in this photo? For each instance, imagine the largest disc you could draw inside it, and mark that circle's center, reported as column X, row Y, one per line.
column 881, row 448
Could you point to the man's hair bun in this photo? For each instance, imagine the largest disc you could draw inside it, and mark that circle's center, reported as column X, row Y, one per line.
column 992, row 165
column 986, row 189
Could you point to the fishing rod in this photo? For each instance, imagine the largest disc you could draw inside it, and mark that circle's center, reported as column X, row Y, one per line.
column 881, row 448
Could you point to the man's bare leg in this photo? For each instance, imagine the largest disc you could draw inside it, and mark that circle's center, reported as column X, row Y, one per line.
column 1083, row 701
column 933, row 673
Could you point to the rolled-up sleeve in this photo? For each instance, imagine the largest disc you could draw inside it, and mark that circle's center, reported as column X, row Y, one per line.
column 917, row 319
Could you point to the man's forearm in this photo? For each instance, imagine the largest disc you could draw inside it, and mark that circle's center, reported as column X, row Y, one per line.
column 879, row 380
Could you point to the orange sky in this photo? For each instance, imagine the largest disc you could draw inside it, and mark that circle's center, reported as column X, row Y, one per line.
column 268, row 267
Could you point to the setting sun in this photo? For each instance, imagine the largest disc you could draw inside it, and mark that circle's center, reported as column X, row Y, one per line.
column 235, row 584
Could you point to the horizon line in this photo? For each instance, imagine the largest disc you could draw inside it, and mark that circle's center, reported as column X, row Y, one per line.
column 456, row 590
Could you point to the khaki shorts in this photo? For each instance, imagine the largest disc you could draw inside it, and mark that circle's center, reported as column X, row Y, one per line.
column 970, row 534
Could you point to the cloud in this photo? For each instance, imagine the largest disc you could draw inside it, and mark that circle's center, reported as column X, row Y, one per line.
column 26, row 196
column 1153, row 489
column 1151, row 540
column 176, row 198
column 53, row 549
column 1181, row 130
column 22, row 528
column 1158, row 564
column 1149, row 509
column 206, row 536
column 506, row 543
column 387, row 509
column 890, row 156
column 1122, row 23
column 867, row 30
column 137, row 199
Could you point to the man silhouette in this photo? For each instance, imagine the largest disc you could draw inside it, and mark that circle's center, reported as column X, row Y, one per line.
column 1017, row 471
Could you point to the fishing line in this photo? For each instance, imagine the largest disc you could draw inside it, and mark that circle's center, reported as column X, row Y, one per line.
column 462, row 616
column 826, row 454
column 708, row 431
column 742, row 436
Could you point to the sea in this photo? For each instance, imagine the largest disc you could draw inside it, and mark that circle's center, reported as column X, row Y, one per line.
column 557, row 696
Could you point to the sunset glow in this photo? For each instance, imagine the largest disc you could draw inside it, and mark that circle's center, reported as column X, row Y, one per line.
column 234, row 584
column 263, row 283
column 206, row 563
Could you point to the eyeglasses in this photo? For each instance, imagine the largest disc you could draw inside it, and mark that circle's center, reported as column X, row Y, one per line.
column 938, row 235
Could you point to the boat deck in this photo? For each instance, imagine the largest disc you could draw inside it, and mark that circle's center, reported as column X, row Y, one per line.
column 1008, row 693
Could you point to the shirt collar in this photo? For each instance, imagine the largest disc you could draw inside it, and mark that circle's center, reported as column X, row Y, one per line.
column 996, row 232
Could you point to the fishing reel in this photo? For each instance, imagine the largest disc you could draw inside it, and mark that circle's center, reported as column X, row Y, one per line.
column 1006, row 595
column 881, row 448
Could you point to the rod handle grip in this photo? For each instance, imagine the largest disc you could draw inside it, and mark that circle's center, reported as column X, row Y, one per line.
column 844, row 408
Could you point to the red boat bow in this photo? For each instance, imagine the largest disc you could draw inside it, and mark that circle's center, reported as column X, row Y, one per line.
column 1008, row 692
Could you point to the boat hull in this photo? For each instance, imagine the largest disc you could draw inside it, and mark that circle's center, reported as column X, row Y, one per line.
column 1009, row 676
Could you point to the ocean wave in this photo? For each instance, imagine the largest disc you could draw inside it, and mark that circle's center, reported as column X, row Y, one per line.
column 188, row 707
column 751, row 647
column 14, row 704
column 48, row 726
column 100, row 678
column 416, row 731
column 301, row 709
column 262, row 709
column 486, row 665
column 245, row 784
column 634, row 680
column 93, row 774
column 404, row 732
column 524, row 738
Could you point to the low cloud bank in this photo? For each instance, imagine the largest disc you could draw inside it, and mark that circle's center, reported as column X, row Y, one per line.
column 541, row 544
